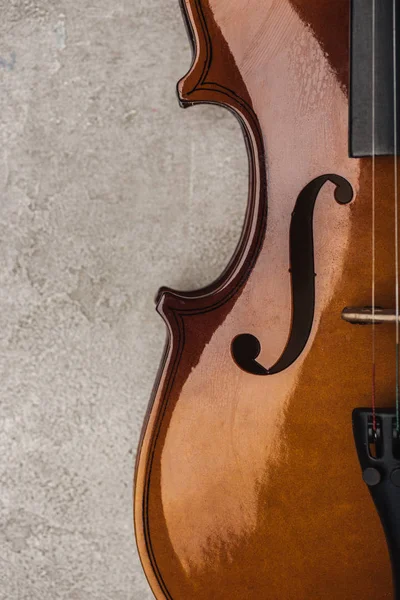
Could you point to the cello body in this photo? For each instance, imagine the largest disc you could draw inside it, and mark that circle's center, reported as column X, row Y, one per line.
column 247, row 482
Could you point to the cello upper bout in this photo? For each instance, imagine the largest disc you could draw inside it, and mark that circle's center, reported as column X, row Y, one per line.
column 213, row 76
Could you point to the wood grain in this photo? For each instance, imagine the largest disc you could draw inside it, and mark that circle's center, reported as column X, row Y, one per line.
column 249, row 487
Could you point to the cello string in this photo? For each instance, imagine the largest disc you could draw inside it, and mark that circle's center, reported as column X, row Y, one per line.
column 373, row 221
column 396, row 209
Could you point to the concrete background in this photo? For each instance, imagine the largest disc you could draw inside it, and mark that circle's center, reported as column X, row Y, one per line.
column 109, row 190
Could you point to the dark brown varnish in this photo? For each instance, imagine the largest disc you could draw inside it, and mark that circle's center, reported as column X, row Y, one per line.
column 249, row 487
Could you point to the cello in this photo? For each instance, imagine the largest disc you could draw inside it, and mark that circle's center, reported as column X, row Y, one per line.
column 269, row 462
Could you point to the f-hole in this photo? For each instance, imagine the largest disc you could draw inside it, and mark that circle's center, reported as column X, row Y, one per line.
column 246, row 347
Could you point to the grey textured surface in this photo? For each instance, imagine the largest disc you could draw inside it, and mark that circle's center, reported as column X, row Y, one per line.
column 109, row 190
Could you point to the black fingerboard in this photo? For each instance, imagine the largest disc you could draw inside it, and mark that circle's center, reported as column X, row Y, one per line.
column 362, row 92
